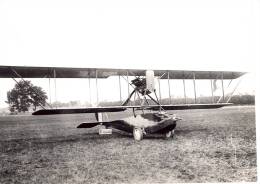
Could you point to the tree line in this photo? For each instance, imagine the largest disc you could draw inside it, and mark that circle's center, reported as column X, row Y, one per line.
column 243, row 99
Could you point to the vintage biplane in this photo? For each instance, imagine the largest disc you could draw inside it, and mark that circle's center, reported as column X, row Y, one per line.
column 153, row 119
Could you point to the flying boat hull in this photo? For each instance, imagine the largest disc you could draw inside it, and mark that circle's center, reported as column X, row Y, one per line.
column 150, row 123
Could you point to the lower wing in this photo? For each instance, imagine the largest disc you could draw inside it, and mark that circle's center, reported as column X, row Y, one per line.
column 123, row 108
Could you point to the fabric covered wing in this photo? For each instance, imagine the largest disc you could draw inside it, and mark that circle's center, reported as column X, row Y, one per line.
column 80, row 110
column 123, row 108
column 63, row 72
column 191, row 106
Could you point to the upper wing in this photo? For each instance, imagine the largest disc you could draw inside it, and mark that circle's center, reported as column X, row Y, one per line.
column 63, row 72
column 123, row 108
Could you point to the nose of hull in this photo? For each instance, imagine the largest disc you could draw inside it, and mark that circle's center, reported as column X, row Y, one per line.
column 152, row 124
column 162, row 127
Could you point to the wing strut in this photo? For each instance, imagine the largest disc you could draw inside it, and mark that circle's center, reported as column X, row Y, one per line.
column 140, row 84
column 97, row 86
column 222, row 88
column 31, row 88
column 233, row 91
column 222, row 84
column 120, row 93
column 212, row 93
column 55, row 86
column 184, row 90
column 169, row 88
column 159, row 83
column 19, row 76
column 50, row 88
column 194, row 86
column 128, row 99
column 156, row 101
column 89, row 86
column 128, row 90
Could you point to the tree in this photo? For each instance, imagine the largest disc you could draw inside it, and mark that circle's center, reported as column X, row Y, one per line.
column 25, row 94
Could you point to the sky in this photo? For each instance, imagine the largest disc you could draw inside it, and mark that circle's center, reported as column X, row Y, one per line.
column 174, row 35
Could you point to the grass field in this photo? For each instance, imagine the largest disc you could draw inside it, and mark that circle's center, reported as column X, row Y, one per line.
column 217, row 145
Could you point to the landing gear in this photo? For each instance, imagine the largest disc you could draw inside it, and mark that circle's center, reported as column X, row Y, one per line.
column 173, row 131
column 138, row 134
column 169, row 134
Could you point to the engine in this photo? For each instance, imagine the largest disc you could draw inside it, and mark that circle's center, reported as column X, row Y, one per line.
column 145, row 85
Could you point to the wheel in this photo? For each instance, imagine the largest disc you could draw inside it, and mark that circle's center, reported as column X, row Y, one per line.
column 138, row 134
column 173, row 132
column 168, row 134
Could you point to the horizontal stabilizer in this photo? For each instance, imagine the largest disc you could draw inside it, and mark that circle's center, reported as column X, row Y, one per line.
column 87, row 125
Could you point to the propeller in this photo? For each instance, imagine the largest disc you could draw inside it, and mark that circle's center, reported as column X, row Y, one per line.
column 149, row 75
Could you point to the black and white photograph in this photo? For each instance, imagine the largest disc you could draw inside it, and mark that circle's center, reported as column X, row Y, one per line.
column 129, row 91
